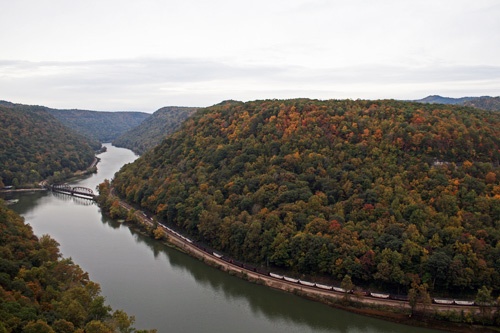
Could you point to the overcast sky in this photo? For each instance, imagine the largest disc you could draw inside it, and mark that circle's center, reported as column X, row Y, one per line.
column 146, row 54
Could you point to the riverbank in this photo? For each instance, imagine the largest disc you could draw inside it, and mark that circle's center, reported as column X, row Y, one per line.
column 42, row 186
column 387, row 309
column 379, row 308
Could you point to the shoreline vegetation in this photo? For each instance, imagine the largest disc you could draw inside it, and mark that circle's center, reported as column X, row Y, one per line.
column 40, row 291
column 42, row 186
column 398, row 198
column 421, row 313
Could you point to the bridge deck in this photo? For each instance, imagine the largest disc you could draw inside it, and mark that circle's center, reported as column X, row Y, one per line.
column 79, row 191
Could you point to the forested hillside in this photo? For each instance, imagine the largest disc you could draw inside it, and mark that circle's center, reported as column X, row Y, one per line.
column 436, row 99
column 42, row 292
column 102, row 126
column 387, row 192
column 154, row 129
column 484, row 102
column 34, row 145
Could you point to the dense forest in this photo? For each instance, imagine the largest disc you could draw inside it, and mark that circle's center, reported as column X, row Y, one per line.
column 102, row 126
column 387, row 192
column 41, row 292
column 35, row 146
column 154, row 129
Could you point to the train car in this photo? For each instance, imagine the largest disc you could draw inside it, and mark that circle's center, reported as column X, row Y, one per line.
column 380, row 295
column 462, row 302
column 361, row 292
column 250, row 267
column 403, row 298
column 276, row 276
column 289, row 279
column 262, row 271
column 443, row 301
column 307, row 283
column 217, row 255
column 323, row 286
column 237, row 263
column 339, row 290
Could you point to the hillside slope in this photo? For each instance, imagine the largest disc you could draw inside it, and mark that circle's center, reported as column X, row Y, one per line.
column 154, row 129
column 485, row 103
column 103, row 126
column 383, row 191
column 35, row 145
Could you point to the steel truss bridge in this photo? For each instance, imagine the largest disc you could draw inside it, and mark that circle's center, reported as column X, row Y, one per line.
column 77, row 191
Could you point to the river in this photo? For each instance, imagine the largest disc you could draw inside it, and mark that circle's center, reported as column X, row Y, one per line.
column 166, row 289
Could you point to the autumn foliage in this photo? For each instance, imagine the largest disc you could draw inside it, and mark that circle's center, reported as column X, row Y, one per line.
column 34, row 146
column 377, row 190
column 42, row 292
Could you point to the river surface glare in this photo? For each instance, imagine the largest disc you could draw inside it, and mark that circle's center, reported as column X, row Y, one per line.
column 166, row 289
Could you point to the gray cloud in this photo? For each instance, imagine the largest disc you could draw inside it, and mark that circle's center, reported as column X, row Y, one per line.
column 150, row 83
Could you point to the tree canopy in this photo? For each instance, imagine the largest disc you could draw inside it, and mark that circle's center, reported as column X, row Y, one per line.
column 35, row 146
column 382, row 191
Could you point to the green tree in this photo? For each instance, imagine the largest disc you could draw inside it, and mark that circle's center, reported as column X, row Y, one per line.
column 63, row 326
column 159, row 233
column 438, row 266
column 347, row 285
column 123, row 322
column 389, row 269
column 96, row 326
column 38, row 326
column 418, row 296
column 485, row 302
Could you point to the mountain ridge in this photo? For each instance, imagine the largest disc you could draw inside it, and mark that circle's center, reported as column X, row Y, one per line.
column 104, row 126
column 482, row 102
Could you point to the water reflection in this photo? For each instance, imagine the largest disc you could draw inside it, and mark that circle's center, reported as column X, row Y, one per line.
column 167, row 289
column 76, row 200
column 274, row 305
column 28, row 201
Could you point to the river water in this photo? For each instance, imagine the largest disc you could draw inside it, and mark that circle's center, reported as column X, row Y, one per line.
column 166, row 289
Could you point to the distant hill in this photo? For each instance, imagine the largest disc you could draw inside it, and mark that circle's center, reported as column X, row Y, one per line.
column 34, row 145
column 154, row 129
column 436, row 99
column 103, row 126
column 484, row 102
column 383, row 191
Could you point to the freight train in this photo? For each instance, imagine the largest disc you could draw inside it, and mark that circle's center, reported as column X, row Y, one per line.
column 261, row 271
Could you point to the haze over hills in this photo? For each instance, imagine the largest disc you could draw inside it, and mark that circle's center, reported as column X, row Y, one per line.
column 99, row 125
column 483, row 102
column 154, row 129
column 383, row 191
column 104, row 126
